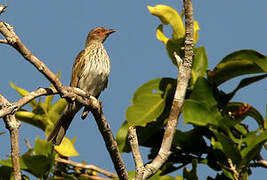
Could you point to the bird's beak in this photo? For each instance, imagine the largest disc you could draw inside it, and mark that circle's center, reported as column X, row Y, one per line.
column 110, row 31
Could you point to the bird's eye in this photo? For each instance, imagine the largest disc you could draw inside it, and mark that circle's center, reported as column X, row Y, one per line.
column 98, row 32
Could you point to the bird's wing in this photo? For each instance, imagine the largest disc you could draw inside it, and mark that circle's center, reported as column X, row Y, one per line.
column 76, row 69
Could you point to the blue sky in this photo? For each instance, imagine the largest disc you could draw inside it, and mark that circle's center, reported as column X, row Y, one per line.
column 55, row 31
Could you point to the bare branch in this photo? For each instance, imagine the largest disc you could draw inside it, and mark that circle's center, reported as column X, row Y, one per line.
column 13, row 127
column 13, row 40
column 2, row 8
column 182, row 83
column 25, row 100
column 110, row 142
column 233, row 169
column 3, row 41
column 139, row 165
column 70, row 93
column 260, row 163
column 86, row 166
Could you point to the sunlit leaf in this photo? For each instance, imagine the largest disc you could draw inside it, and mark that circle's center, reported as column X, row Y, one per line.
column 66, row 148
column 121, row 138
column 238, row 63
column 42, row 147
column 168, row 15
column 196, row 29
column 23, row 93
column 31, row 118
column 149, row 101
column 199, row 114
column 160, row 34
column 200, row 64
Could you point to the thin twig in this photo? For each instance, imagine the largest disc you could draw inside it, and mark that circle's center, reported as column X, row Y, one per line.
column 2, row 8
column 13, row 127
column 3, row 41
column 233, row 169
column 28, row 143
column 86, row 166
column 26, row 99
column 139, row 165
column 182, row 83
column 70, row 93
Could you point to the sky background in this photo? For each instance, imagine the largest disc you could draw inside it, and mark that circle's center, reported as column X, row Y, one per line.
column 55, row 31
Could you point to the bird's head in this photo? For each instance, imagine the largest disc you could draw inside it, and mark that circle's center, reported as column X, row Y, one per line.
column 99, row 34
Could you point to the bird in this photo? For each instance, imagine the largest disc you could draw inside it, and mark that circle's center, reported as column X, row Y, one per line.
column 90, row 72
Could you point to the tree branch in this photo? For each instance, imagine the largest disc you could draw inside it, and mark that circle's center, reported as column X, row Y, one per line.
column 139, row 165
column 13, row 127
column 86, row 166
column 2, row 8
column 70, row 93
column 25, row 100
column 182, row 83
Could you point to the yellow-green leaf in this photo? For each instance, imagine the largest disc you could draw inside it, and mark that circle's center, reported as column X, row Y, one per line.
column 168, row 15
column 160, row 34
column 196, row 29
column 23, row 93
column 31, row 118
column 66, row 148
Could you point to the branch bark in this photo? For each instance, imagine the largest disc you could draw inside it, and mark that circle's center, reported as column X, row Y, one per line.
column 182, row 83
column 69, row 93
column 13, row 127
column 139, row 165
column 86, row 166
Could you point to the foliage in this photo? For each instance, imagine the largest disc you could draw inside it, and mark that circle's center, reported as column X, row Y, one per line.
column 207, row 108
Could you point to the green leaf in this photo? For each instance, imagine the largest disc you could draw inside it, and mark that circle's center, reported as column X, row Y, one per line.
column 42, row 147
column 228, row 146
column 54, row 114
column 187, row 141
column 199, row 114
column 149, row 101
column 2, row 133
column 200, row 64
column 31, row 118
column 245, row 82
column 201, row 109
column 238, row 63
column 37, row 165
column 23, row 93
column 121, row 138
column 147, row 136
column 240, row 111
column 253, row 145
column 5, row 173
column 203, row 92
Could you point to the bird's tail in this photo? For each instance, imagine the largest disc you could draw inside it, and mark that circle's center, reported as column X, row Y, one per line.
column 62, row 125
